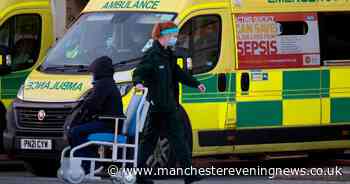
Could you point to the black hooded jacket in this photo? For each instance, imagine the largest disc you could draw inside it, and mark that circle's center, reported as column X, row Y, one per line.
column 105, row 98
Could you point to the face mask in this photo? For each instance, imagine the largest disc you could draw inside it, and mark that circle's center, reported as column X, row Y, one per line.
column 93, row 80
column 172, row 41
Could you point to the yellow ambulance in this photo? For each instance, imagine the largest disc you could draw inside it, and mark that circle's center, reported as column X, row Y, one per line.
column 25, row 35
column 277, row 75
column 27, row 29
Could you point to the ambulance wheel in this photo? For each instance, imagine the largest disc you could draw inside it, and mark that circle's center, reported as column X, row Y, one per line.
column 164, row 154
column 46, row 168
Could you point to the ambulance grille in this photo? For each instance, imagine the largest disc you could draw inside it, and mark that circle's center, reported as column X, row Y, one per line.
column 53, row 119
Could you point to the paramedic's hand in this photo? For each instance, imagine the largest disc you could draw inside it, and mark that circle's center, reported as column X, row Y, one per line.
column 139, row 87
column 202, row 88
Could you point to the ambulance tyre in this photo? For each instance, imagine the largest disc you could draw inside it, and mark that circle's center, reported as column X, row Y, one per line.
column 164, row 154
column 2, row 125
column 44, row 168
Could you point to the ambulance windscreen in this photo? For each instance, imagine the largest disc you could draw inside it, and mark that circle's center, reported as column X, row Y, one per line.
column 121, row 36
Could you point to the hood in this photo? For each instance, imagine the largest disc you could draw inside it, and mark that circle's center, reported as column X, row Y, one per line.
column 102, row 68
column 42, row 87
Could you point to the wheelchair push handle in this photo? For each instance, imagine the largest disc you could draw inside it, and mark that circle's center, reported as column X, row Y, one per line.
column 143, row 90
column 140, row 110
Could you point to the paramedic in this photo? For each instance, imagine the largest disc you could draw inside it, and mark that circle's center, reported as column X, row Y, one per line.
column 159, row 72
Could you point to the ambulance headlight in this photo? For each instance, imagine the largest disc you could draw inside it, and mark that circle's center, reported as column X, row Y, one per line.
column 20, row 94
column 124, row 88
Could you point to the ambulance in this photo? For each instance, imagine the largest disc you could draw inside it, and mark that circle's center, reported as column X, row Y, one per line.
column 25, row 35
column 28, row 28
column 276, row 71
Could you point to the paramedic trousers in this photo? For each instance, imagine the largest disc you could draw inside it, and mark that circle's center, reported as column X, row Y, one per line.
column 170, row 125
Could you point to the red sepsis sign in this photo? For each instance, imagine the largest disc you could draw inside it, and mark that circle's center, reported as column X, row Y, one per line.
column 277, row 40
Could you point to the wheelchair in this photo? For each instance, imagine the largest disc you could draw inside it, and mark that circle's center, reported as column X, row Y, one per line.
column 71, row 171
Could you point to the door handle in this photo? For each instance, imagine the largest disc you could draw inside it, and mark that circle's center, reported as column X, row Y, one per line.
column 245, row 82
column 222, row 80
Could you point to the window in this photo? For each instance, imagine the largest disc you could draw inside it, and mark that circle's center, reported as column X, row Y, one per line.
column 293, row 28
column 118, row 35
column 335, row 39
column 21, row 35
column 201, row 36
column 5, row 35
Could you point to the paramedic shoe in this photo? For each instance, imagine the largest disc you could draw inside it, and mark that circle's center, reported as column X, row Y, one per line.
column 192, row 179
column 142, row 180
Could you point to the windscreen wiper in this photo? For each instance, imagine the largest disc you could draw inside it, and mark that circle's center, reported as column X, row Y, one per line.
column 130, row 61
column 52, row 68
column 79, row 68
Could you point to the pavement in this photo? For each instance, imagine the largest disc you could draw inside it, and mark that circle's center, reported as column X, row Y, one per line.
column 16, row 172
column 27, row 179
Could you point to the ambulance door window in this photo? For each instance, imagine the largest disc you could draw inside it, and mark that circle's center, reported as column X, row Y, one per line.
column 335, row 39
column 5, row 35
column 202, row 37
column 25, row 41
column 206, row 47
column 184, row 38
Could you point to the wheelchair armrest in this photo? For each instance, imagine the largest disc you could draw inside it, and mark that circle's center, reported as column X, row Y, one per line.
column 116, row 118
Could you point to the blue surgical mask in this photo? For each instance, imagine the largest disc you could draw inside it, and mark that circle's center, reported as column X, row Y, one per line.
column 172, row 41
column 93, row 80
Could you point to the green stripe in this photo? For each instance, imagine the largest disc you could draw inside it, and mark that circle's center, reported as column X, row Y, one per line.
column 11, row 83
column 301, row 94
column 301, row 84
column 206, row 100
column 325, row 82
column 232, row 82
column 340, row 110
column 259, row 114
column 192, row 95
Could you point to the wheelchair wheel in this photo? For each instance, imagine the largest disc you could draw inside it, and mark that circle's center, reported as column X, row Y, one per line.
column 75, row 176
column 117, row 178
column 60, row 174
column 116, row 181
column 129, row 178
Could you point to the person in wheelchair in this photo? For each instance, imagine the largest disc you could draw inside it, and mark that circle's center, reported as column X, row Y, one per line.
column 104, row 99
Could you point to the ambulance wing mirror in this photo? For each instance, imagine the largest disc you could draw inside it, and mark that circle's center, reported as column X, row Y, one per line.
column 5, row 60
column 184, row 59
column 185, row 64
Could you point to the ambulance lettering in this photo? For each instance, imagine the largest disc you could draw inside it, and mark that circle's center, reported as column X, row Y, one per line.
column 59, row 85
column 255, row 48
column 141, row 4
